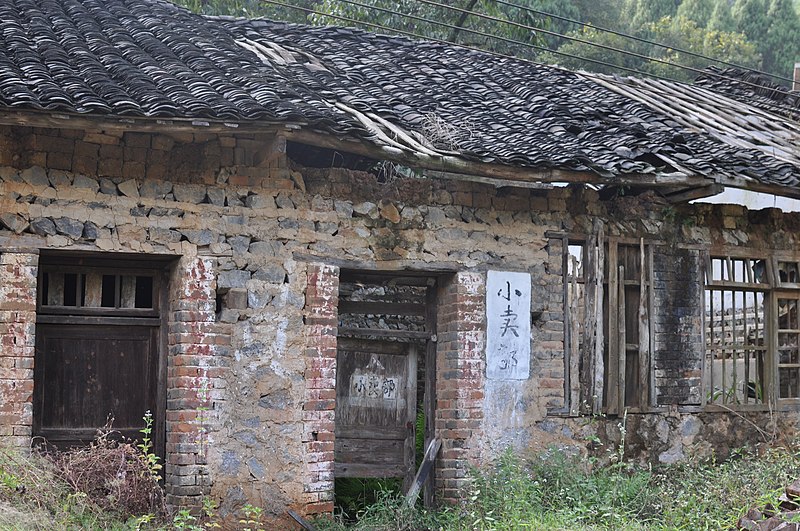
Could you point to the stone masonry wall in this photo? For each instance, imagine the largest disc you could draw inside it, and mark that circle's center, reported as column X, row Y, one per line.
column 252, row 333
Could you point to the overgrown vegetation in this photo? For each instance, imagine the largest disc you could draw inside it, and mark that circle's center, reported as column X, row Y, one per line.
column 114, row 485
column 557, row 491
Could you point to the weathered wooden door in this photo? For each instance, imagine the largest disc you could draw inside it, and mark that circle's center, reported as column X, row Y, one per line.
column 87, row 374
column 100, row 347
column 376, row 384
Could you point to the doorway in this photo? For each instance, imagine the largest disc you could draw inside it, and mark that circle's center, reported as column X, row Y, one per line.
column 385, row 377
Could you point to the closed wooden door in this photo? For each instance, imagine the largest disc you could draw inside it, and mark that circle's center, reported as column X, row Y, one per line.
column 87, row 373
column 376, row 385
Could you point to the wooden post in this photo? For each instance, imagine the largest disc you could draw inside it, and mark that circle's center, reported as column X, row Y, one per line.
column 622, row 338
column 587, row 356
column 615, row 351
column 644, row 331
column 574, row 341
column 599, row 366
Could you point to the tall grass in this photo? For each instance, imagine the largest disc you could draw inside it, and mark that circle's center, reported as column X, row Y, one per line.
column 556, row 491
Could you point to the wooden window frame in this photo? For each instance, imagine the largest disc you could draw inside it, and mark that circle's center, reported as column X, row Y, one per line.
column 773, row 289
column 610, row 399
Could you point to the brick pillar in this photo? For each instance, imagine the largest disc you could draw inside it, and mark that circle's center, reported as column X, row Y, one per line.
column 17, row 341
column 195, row 384
column 322, row 299
column 460, row 355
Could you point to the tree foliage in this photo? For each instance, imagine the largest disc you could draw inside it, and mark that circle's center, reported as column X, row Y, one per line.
column 676, row 33
column 762, row 34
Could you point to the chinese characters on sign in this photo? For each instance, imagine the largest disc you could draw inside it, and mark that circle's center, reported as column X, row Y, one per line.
column 508, row 325
column 373, row 390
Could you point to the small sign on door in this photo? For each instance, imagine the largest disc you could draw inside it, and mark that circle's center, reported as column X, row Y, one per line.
column 508, row 325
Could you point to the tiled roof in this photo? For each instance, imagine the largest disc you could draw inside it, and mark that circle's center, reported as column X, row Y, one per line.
column 149, row 58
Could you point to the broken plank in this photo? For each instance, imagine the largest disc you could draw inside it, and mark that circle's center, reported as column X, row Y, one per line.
column 300, row 520
column 381, row 308
column 424, row 470
column 383, row 332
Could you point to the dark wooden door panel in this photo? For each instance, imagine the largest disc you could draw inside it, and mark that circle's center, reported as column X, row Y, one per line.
column 85, row 374
column 375, row 408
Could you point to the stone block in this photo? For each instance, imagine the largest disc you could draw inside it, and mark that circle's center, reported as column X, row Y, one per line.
column 216, row 196
column 274, row 273
column 236, row 299
column 200, row 237
column 154, row 189
column 233, row 279
column 43, row 226
column 266, row 248
column 189, row 193
column 14, row 222
column 35, row 176
column 107, row 186
column 85, row 183
column 129, row 188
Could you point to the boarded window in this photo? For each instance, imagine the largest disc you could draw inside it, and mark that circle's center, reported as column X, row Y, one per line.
column 608, row 332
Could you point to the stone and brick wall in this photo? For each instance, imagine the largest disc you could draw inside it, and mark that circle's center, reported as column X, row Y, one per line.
column 678, row 328
column 322, row 296
column 460, row 374
column 17, row 322
column 199, row 348
column 252, row 317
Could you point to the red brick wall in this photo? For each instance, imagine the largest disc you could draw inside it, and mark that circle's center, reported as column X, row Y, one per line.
column 322, row 298
column 195, row 384
column 459, row 380
column 17, row 328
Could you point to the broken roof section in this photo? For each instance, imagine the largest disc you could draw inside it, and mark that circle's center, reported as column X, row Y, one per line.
column 419, row 103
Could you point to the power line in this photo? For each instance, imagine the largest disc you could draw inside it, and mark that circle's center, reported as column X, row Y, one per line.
column 639, row 39
column 521, row 43
column 583, row 41
column 467, row 30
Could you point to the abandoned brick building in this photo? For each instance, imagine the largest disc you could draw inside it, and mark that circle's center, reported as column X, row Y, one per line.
column 288, row 242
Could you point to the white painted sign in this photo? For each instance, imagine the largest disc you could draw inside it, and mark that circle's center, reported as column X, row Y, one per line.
column 373, row 389
column 508, row 325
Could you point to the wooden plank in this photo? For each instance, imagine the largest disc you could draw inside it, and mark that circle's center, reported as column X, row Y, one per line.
column 644, row 332
column 55, row 288
column 613, row 400
column 429, row 398
column 599, row 369
column 381, row 308
column 365, row 451
column 93, row 290
column 650, row 382
column 97, row 320
column 300, row 521
column 622, row 341
column 127, row 293
column 589, row 323
column 385, row 333
column 362, row 470
column 689, row 194
column 410, row 446
column 389, row 433
column 574, row 344
column 425, row 469
column 127, row 312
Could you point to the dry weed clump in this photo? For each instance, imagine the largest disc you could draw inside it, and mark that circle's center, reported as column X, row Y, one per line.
column 114, row 475
column 94, row 487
